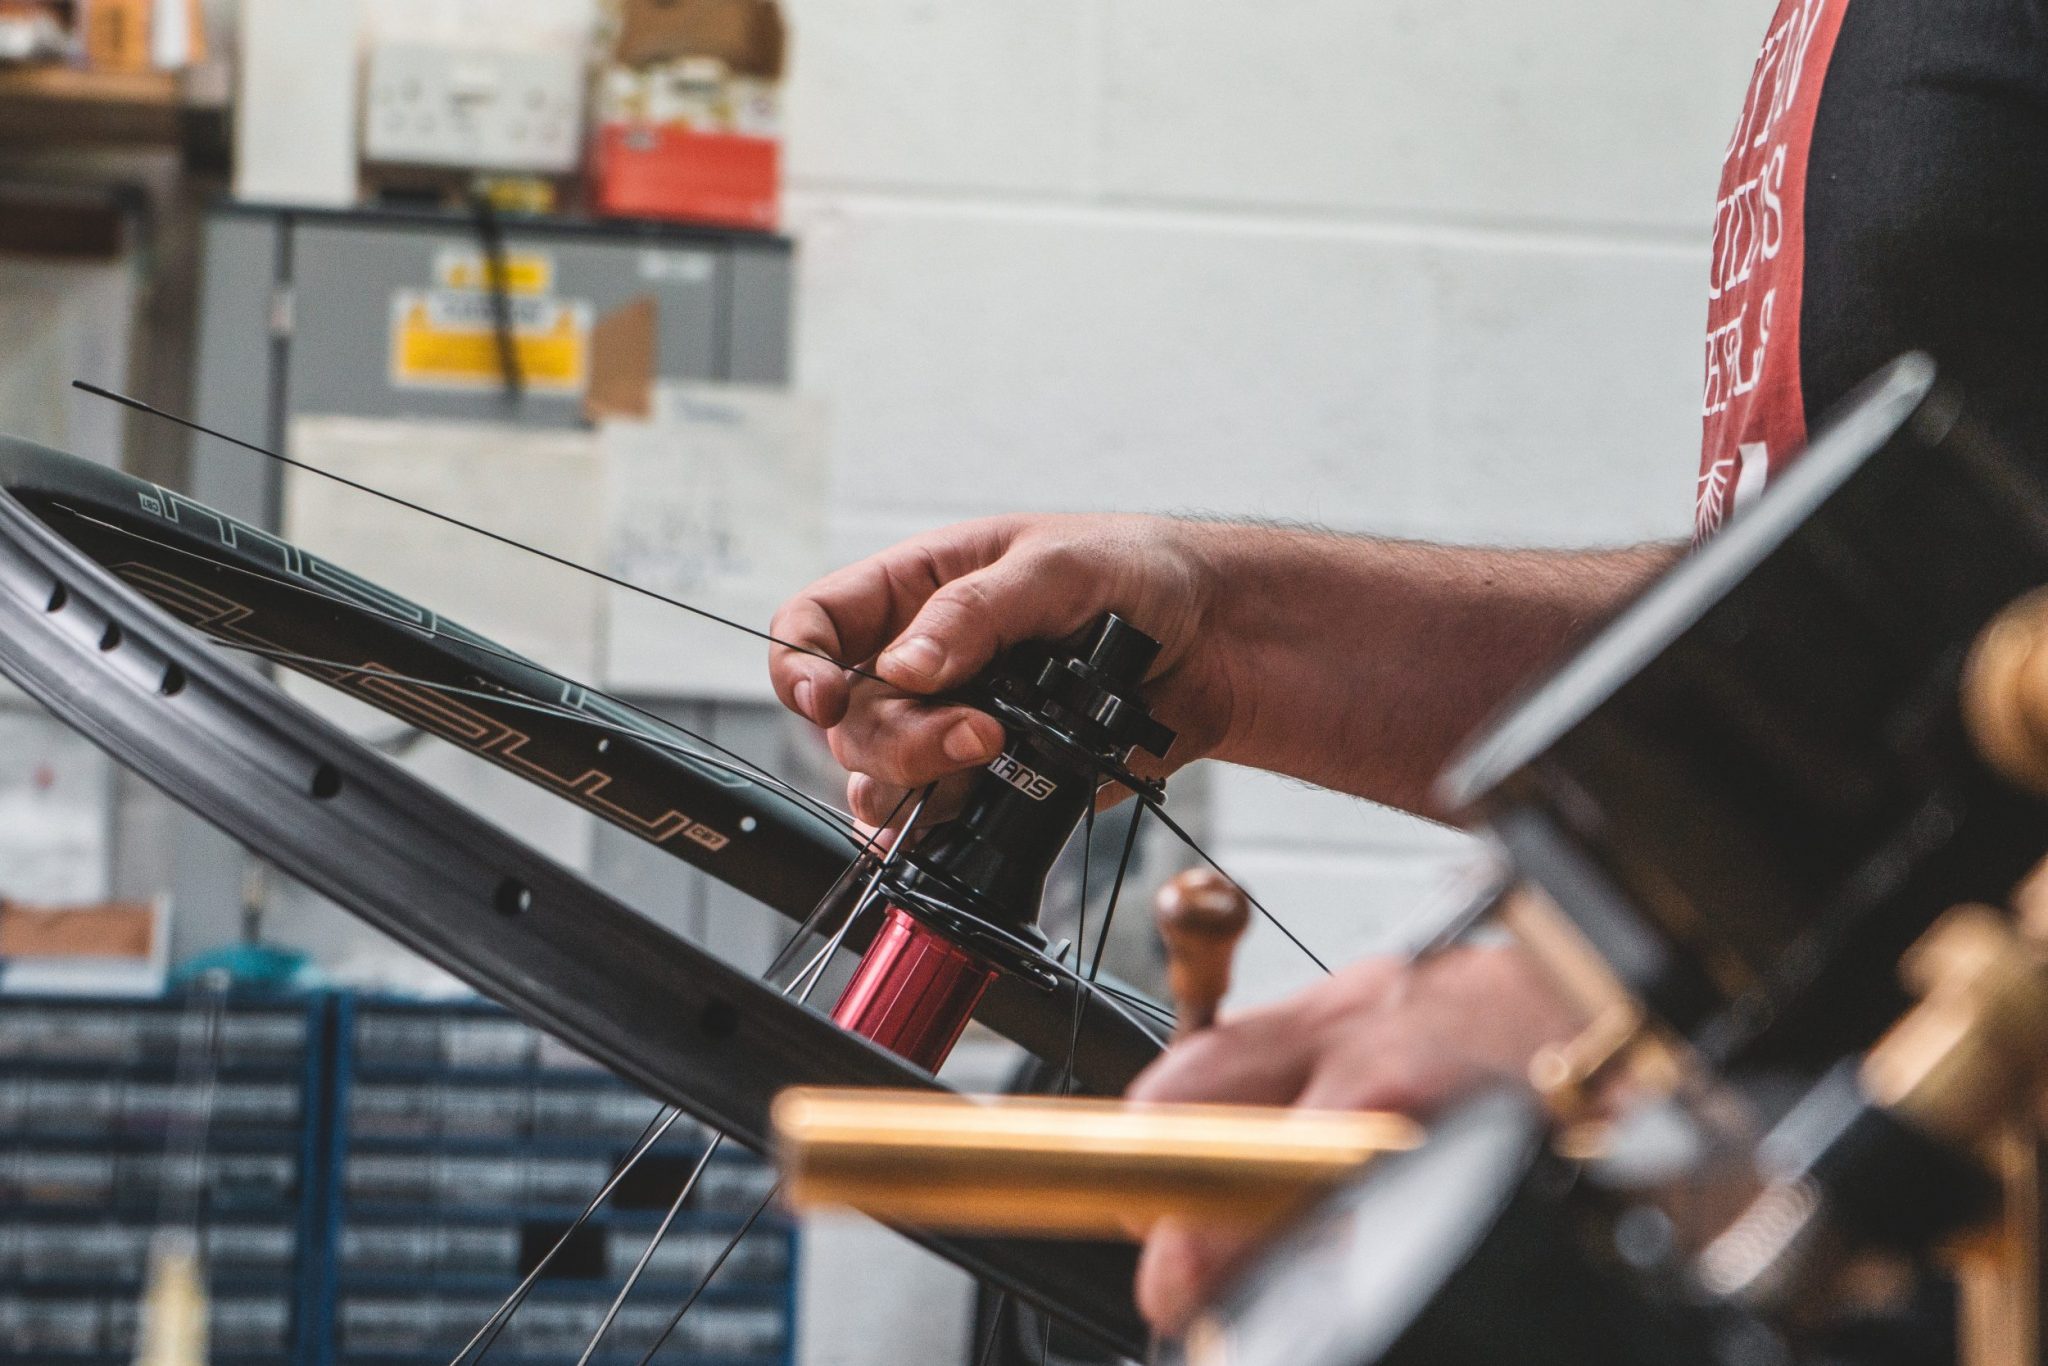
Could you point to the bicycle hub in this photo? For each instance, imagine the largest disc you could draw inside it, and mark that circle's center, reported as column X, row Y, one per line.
column 963, row 903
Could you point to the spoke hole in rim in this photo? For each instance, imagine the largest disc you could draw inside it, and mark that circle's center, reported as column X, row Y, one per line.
column 111, row 639
column 513, row 897
column 326, row 781
column 604, row 745
column 59, row 596
column 173, row 682
column 748, row 825
column 719, row 1020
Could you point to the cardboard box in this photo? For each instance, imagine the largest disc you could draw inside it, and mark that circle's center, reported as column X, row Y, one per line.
column 747, row 35
column 117, row 34
column 689, row 114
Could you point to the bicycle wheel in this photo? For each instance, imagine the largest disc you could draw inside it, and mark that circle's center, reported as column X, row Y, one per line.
column 114, row 598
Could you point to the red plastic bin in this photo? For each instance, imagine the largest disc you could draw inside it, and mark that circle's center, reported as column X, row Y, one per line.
column 670, row 172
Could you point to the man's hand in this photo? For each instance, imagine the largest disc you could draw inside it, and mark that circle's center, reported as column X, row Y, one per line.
column 1355, row 663
column 1376, row 1035
column 931, row 613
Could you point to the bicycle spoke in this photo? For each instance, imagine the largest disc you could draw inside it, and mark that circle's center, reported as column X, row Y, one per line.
column 1152, row 1010
column 1158, row 808
column 491, row 1329
column 1116, row 890
column 614, row 580
column 711, row 1272
column 675, row 1208
column 1116, row 887
column 484, row 1337
column 811, row 922
column 995, row 1328
column 823, row 958
column 181, row 1203
column 801, row 990
column 1066, row 1081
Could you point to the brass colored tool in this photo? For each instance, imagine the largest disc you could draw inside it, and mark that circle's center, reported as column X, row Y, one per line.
column 1065, row 1167
column 1201, row 915
column 2005, row 692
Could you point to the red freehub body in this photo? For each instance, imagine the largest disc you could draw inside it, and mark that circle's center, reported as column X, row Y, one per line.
column 914, row 992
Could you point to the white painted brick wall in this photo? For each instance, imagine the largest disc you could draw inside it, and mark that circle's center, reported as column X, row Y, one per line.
column 943, row 95
column 1420, row 267
column 1566, row 112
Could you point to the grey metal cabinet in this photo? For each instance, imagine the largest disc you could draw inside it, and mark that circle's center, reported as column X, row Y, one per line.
column 381, row 314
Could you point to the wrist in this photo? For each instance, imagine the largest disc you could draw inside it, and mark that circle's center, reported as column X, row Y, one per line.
column 1261, row 634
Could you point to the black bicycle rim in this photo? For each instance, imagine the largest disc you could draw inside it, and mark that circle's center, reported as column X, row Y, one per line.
column 324, row 808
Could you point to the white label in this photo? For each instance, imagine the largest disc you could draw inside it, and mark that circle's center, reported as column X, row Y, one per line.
column 1028, row 781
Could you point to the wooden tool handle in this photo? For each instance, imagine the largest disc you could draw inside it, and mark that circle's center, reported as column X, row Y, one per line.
column 1065, row 1167
column 1201, row 915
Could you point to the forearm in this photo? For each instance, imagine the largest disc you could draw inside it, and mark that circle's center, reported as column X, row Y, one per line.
column 1361, row 664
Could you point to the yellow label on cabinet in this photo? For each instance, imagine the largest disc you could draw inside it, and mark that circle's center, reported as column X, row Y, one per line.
column 445, row 339
column 524, row 272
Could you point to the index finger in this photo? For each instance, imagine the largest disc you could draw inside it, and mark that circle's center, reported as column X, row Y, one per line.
column 847, row 617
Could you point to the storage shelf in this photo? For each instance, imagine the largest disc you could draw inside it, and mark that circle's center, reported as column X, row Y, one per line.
column 59, row 104
column 419, row 1058
column 672, row 1144
column 395, row 1285
column 219, row 1285
column 92, row 1174
column 475, row 1074
column 127, row 1140
column 45, row 1357
column 500, row 1357
column 712, row 1221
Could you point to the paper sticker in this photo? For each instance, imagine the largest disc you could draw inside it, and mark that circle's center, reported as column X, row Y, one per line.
column 718, row 500
column 446, row 339
column 525, row 272
column 56, row 791
column 538, row 486
column 675, row 267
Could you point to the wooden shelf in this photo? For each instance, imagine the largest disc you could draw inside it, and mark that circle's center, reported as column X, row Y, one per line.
column 57, row 105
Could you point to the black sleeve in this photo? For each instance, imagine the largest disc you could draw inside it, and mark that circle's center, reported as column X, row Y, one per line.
column 1927, row 202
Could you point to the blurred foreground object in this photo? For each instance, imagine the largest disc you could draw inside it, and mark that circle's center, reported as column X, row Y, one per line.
column 34, row 32
column 1764, row 798
column 117, row 947
column 126, row 37
column 1066, row 1167
column 1200, row 915
column 174, row 1304
column 1784, row 811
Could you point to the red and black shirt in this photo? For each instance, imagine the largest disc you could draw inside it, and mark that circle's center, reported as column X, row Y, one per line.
column 1886, row 188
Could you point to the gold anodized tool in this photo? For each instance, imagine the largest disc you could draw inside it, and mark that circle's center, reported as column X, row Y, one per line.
column 1083, row 1168
column 1063, row 1167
